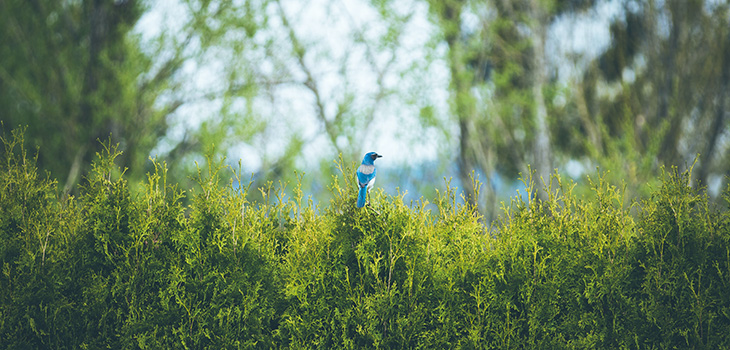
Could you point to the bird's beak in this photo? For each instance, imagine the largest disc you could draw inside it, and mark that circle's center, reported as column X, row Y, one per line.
column 379, row 156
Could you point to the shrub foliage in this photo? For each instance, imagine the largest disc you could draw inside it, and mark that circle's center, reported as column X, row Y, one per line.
column 114, row 269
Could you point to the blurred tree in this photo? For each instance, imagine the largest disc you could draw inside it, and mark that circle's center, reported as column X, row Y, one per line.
column 499, row 75
column 72, row 72
column 659, row 94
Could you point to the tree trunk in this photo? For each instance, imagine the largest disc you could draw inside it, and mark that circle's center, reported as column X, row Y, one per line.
column 716, row 128
column 541, row 145
column 449, row 14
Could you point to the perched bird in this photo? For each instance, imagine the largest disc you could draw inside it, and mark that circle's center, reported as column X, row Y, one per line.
column 365, row 177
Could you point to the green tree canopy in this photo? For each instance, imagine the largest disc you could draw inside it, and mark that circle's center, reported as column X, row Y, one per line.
column 70, row 72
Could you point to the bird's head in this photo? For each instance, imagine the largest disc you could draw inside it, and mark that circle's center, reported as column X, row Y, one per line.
column 370, row 157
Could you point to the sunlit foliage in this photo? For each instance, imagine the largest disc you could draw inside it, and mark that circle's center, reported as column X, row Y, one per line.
column 112, row 268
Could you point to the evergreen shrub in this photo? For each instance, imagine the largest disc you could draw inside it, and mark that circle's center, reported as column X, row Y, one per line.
column 114, row 268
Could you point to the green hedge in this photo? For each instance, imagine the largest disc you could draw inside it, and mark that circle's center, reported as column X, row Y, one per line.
column 110, row 268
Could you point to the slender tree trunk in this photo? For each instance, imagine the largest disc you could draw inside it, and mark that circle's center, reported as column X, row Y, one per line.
column 591, row 126
column 541, row 145
column 85, row 136
column 449, row 14
column 668, row 90
column 74, row 173
column 716, row 128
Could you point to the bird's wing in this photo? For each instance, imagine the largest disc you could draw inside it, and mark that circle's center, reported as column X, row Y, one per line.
column 372, row 181
column 364, row 179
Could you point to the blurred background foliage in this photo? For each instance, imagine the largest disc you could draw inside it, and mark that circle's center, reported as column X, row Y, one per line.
column 442, row 88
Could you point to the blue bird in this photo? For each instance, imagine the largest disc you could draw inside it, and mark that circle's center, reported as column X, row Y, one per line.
column 365, row 177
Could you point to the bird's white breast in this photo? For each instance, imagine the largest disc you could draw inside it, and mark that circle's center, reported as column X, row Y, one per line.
column 366, row 169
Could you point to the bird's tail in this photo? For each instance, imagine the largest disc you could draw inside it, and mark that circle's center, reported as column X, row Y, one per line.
column 361, row 196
